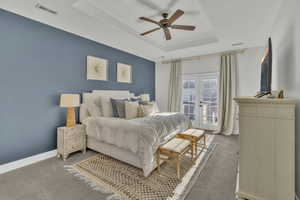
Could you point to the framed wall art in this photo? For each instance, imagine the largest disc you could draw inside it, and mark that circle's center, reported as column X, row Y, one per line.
column 97, row 68
column 124, row 73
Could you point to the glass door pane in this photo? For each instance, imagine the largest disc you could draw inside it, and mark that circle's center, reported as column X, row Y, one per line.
column 189, row 93
column 200, row 99
column 208, row 104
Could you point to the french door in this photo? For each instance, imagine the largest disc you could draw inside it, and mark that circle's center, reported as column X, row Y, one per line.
column 200, row 99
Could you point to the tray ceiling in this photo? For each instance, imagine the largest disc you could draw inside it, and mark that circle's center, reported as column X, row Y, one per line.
column 219, row 24
column 125, row 16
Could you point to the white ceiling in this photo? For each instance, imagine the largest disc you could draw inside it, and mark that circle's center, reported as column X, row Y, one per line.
column 219, row 24
column 120, row 16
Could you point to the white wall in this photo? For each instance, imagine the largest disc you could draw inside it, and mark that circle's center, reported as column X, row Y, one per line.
column 297, row 66
column 286, row 68
column 249, row 68
column 207, row 64
column 283, row 39
column 204, row 65
column 248, row 73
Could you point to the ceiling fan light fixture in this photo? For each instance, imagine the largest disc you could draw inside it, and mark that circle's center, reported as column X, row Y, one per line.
column 166, row 23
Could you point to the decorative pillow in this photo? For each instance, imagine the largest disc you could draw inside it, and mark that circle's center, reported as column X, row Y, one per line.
column 135, row 99
column 94, row 110
column 114, row 106
column 106, row 107
column 118, row 107
column 147, row 110
column 121, row 108
column 131, row 109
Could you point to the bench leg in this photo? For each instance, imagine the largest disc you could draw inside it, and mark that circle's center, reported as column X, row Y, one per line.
column 193, row 151
column 158, row 161
column 178, row 168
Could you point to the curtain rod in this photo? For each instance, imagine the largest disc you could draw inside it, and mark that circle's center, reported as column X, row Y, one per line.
column 241, row 51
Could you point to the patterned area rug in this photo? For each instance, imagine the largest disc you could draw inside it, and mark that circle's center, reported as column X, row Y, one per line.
column 125, row 182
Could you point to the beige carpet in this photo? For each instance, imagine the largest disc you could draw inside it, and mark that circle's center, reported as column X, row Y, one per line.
column 126, row 182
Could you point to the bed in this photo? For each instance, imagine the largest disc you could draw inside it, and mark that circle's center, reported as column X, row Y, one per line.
column 132, row 141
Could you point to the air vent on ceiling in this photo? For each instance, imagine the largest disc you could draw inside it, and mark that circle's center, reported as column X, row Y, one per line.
column 39, row 6
column 237, row 44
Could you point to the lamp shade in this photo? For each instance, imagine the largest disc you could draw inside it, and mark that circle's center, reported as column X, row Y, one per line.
column 69, row 100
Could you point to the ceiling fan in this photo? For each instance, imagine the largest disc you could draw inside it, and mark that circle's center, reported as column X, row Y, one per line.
column 167, row 23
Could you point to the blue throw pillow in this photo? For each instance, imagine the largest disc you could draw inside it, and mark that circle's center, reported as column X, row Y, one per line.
column 118, row 107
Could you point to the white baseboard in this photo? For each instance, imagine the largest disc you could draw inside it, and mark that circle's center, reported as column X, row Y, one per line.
column 26, row 161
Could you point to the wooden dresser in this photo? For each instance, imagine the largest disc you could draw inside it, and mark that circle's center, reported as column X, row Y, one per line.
column 267, row 149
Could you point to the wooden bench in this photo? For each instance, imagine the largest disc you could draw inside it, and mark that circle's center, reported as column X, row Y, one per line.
column 194, row 136
column 173, row 151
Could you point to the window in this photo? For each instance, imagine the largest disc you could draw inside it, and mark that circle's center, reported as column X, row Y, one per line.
column 200, row 99
column 189, row 98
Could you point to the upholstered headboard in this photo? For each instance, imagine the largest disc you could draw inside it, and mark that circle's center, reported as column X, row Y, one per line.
column 88, row 98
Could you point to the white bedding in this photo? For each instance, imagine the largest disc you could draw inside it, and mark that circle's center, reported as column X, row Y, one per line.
column 141, row 136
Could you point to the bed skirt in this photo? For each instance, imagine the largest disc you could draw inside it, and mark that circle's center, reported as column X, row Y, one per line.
column 114, row 151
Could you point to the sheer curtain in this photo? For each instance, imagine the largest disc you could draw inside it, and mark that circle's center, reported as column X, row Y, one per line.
column 175, row 87
column 227, row 91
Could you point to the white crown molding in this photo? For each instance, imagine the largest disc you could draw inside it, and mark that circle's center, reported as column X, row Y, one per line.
column 26, row 161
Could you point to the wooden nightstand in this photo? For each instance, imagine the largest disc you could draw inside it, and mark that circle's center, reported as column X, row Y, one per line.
column 70, row 139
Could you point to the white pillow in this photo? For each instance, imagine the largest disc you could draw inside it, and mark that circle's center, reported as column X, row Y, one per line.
column 131, row 109
column 147, row 110
column 94, row 110
column 106, row 107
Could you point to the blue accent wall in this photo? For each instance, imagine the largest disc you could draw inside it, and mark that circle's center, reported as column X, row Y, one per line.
column 37, row 63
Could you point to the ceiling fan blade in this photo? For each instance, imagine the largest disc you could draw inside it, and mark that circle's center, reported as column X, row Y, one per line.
column 147, row 32
column 149, row 20
column 175, row 16
column 167, row 33
column 183, row 27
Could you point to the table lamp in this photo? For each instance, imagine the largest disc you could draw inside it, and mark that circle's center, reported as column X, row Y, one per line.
column 70, row 101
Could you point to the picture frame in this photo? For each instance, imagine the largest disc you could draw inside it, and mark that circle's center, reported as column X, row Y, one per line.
column 97, row 68
column 124, row 73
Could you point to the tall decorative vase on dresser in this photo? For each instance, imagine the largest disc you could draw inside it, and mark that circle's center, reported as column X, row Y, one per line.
column 267, row 149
